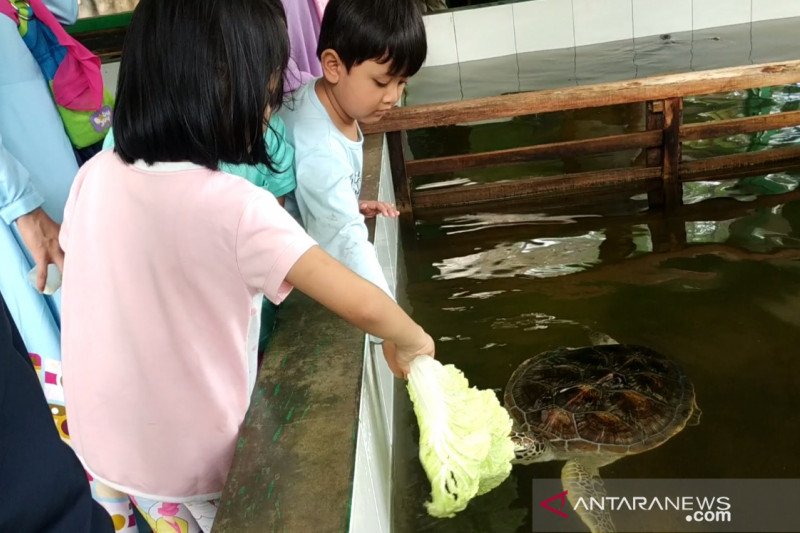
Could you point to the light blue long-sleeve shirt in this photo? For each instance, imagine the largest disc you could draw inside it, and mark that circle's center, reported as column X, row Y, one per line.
column 37, row 167
column 37, row 163
column 328, row 167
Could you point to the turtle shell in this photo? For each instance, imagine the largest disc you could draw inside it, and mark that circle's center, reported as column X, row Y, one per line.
column 615, row 398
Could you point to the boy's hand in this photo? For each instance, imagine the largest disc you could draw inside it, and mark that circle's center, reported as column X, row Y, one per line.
column 371, row 208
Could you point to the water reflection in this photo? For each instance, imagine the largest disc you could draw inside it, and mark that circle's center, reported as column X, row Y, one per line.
column 538, row 258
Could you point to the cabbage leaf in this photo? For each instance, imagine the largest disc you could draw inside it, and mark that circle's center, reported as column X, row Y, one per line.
column 464, row 435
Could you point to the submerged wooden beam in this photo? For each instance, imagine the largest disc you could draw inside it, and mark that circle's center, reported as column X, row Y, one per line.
column 724, row 167
column 611, row 143
column 735, row 126
column 603, row 94
column 561, row 185
column 511, row 222
column 738, row 165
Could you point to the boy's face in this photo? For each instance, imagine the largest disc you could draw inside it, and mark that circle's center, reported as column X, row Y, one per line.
column 367, row 91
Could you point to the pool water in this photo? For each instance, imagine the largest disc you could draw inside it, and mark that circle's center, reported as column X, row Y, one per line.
column 725, row 305
column 715, row 287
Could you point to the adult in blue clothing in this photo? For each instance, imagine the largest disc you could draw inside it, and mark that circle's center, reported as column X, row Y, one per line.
column 37, row 167
column 43, row 486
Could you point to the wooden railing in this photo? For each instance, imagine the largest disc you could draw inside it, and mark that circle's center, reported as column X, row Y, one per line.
column 664, row 173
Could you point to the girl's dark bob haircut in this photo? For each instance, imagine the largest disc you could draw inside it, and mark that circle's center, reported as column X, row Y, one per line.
column 197, row 79
column 386, row 31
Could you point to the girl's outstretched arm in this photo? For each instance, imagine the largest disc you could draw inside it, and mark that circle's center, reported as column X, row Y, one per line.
column 362, row 304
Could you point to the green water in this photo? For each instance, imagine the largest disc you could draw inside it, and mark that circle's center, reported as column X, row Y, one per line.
column 717, row 288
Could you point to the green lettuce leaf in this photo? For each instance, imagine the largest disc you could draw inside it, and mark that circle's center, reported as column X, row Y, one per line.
column 465, row 446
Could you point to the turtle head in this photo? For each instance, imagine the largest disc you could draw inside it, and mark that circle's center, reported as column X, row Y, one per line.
column 529, row 449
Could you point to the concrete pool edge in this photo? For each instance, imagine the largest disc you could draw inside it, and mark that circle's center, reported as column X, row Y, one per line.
column 310, row 448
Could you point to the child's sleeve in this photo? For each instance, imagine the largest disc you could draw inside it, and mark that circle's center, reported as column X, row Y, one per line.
column 18, row 196
column 329, row 208
column 268, row 243
column 65, row 11
column 281, row 153
column 108, row 142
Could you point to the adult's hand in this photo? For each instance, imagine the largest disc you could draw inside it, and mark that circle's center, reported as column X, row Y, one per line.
column 40, row 235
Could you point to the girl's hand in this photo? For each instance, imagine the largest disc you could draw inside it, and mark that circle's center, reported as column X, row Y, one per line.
column 372, row 208
column 399, row 358
column 40, row 235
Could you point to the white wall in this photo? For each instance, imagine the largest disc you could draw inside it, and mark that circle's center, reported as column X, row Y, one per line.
column 110, row 73
column 481, row 33
column 371, row 505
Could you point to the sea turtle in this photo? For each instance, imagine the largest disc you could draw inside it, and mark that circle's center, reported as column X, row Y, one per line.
column 590, row 406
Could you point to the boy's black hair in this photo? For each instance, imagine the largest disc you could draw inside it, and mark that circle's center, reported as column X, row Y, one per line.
column 196, row 79
column 381, row 30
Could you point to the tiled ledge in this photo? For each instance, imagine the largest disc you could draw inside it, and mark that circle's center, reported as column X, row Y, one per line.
column 740, row 44
column 499, row 30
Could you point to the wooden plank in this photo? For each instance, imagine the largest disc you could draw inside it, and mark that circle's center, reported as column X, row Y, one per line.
column 673, row 116
column 724, row 128
column 561, row 185
column 737, row 165
column 397, row 163
column 612, row 197
column 653, row 88
column 611, row 143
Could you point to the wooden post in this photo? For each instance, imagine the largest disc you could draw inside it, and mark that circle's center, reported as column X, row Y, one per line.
column 654, row 155
column 397, row 163
column 667, row 233
column 673, row 116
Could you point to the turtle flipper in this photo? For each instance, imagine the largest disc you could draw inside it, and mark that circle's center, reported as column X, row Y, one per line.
column 584, row 482
column 694, row 418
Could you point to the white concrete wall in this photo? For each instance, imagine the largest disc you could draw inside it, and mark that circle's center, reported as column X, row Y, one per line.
column 481, row 33
column 110, row 73
column 372, row 488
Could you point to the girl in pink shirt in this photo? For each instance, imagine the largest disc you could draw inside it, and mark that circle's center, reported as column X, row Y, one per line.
column 167, row 259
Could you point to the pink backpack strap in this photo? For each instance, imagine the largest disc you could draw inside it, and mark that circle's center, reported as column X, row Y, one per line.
column 8, row 10
column 78, row 82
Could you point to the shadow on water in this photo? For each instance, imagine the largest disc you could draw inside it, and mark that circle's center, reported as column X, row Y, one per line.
column 718, row 291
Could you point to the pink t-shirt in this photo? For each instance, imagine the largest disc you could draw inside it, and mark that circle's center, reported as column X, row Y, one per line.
column 164, row 270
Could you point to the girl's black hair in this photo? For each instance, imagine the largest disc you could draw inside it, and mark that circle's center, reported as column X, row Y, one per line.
column 381, row 30
column 196, row 79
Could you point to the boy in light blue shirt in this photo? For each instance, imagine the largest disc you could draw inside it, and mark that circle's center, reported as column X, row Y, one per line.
column 367, row 49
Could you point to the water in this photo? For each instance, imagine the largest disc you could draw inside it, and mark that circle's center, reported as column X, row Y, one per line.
column 715, row 287
column 726, row 306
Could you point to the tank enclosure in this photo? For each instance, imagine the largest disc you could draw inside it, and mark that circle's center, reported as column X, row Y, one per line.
column 380, row 433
